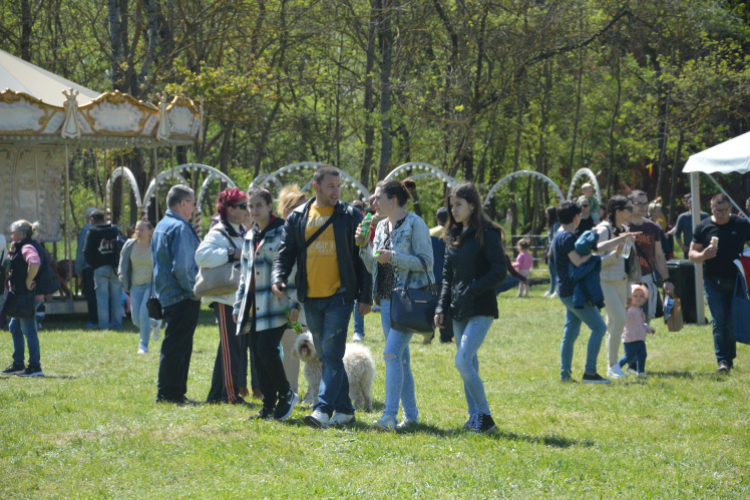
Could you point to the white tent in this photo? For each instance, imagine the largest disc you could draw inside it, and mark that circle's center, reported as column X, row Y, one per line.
column 725, row 158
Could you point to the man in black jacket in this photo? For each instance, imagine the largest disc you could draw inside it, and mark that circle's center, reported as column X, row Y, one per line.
column 330, row 277
column 102, row 254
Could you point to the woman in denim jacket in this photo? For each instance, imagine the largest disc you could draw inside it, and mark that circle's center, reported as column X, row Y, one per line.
column 400, row 241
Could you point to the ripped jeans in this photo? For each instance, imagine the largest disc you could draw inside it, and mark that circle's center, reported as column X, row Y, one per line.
column 399, row 380
column 328, row 320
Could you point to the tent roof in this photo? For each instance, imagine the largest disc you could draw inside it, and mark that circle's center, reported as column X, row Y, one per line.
column 729, row 156
column 21, row 76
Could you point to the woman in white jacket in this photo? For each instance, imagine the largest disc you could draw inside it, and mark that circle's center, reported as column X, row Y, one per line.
column 223, row 244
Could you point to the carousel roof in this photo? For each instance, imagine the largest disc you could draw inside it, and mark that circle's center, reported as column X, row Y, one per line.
column 40, row 107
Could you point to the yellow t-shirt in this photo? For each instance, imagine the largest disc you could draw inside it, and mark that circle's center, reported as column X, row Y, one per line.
column 323, row 277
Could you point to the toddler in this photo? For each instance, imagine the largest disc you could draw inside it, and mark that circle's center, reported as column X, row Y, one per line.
column 634, row 334
column 588, row 191
column 523, row 266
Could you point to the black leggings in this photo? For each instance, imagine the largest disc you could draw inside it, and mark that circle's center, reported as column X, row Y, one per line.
column 271, row 375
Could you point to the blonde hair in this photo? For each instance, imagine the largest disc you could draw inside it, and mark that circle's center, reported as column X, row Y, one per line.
column 524, row 243
column 144, row 221
column 290, row 197
column 587, row 186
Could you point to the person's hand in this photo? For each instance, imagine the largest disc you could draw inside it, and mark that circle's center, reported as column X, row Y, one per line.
column 685, row 250
column 709, row 252
column 668, row 288
column 235, row 318
column 439, row 318
column 650, row 329
column 620, row 248
column 384, row 256
column 363, row 309
column 293, row 315
column 237, row 253
column 278, row 289
column 30, row 284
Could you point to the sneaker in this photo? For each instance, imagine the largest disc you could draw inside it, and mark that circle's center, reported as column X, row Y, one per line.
column 469, row 423
column 318, row 420
column 341, row 419
column 386, row 423
column 375, row 308
column 91, row 325
column 615, row 371
column 32, row 372
column 285, row 405
column 547, row 294
column 406, row 424
column 358, row 337
column 483, row 424
column 553, row 295
column 723, row 367
column 14, row 369
column 594, row 379
column 265, row 413
column 632, row 370
column 643, row 375
column 155, row 332
column 143, row 350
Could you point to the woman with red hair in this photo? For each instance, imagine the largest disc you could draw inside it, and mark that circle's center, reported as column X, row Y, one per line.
column 222, row 245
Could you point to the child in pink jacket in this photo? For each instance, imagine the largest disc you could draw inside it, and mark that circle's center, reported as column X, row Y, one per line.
column 634, row 334
column 523, row 266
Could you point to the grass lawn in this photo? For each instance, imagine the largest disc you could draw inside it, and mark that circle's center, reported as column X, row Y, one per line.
column 90, row 428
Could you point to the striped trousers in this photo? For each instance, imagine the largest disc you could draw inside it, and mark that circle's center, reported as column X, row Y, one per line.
column 225, row 386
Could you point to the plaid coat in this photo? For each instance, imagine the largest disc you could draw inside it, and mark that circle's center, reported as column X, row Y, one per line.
column 267, row 308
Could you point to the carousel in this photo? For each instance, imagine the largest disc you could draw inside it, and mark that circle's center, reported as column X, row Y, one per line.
column 45, row 118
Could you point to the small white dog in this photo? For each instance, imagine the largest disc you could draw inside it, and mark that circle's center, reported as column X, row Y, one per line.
column 358, row 363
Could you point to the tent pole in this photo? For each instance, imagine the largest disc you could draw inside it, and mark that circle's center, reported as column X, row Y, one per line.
column 695, row 202
column 67, row 218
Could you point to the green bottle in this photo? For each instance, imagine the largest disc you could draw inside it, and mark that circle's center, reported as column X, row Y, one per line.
column 295, row 326
column 364, row 235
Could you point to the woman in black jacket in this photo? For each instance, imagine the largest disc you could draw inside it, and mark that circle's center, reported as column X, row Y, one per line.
column 474, row 267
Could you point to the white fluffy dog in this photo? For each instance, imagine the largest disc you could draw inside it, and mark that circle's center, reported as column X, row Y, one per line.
column 358, row 363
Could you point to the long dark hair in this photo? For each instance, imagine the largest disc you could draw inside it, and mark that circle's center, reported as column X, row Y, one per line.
column 616, row 203
column 551, row 216
column 454, row 230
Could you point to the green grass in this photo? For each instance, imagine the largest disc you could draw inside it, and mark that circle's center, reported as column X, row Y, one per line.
column 90, row 429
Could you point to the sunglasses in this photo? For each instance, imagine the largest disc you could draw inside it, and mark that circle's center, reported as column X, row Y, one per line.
column 584, row 206
column 241, row 206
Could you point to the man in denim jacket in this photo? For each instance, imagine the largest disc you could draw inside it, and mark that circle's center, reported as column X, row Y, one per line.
column 173, row 252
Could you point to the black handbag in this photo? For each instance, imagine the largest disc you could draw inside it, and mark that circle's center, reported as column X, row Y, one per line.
column 20, row 306
column 413, row 311
column 153, row 306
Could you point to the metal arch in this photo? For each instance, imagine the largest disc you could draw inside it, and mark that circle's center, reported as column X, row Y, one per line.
column 185, row 166
column 592, row 178
column 265, row 179
column 208, row 180
column 423, row 166
column 531, row 173
column 127, row 174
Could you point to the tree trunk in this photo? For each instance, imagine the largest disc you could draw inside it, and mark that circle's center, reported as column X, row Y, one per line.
column 613, row 122
column 673, row 207
column 516, row 159
column 662, row 138
column 369, row 103
column 26, row 29
column 115, row 41
column 577, row 119
column 386, row 50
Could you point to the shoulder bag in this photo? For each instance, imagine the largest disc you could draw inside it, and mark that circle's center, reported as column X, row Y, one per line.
column 153, row 306
column 413, row 311
column 20, row 306
column 221, row 280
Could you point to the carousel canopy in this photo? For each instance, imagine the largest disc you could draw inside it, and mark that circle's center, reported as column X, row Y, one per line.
column 42, row 108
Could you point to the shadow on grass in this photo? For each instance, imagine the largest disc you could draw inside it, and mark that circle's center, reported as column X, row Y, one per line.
column 687, row 375
column 45, row 377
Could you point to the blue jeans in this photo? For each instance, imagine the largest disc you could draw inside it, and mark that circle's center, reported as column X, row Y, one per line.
column 635, row 352
column 509, row 283
column 399, row 380
column 328, row 320
column 470, row 334
column 720, row 304
column 20, row 328
column 552, row 277
column 139, row 313
column 573, row 319
column 359, row 321
column 108, row 298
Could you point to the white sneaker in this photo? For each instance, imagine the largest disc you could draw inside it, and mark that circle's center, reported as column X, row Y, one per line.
column 630, row 370
column 643, row 375
column 156, row 331
column 386, row 423
column 615, row 371
column 546, row 294
column 407, row 423
column 553, row 295
column 141, row 350
column 358, row 337
column 318, row 420
column 341, row 419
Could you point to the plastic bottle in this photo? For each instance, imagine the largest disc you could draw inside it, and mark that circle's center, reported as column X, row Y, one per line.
column 296, row 325
column 625, row 251
column 364, row 235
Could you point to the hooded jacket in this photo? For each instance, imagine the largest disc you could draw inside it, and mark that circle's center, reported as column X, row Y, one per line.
column 100, row 248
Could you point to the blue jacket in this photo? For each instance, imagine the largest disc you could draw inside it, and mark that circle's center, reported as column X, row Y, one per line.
column 173, row 253
column 81, row 263
column 587, row 289
column 586, row 243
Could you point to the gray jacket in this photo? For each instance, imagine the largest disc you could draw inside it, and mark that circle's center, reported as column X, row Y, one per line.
column 125, row 270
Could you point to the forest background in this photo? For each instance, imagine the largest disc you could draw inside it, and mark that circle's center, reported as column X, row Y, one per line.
column 479, row 88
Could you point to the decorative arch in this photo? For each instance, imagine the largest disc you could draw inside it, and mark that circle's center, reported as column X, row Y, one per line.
column 431, row 171
column 592, row 177
column 167, row 174
column 530, row 173
column 264, row 179
column 116, row 174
